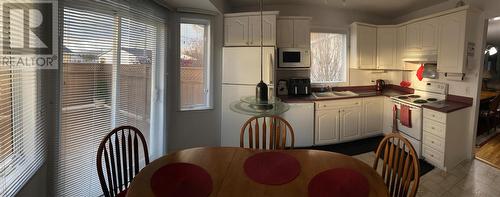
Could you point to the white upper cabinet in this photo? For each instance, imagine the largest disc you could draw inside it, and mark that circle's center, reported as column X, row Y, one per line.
column 243, row 29
column 386, row 48
column 363, row 46
column 422, row 35
column 452, row 43
column 236, row 31
column 293, row 32
column 430, row 34
column 301, row 33
column 400, row 47
column 269, row 30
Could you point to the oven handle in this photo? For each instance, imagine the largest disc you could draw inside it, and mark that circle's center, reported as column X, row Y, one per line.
column 411, row 107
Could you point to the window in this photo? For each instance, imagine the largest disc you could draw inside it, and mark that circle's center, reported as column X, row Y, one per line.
column 195, row 65
column 110, row 78
column 328, row 58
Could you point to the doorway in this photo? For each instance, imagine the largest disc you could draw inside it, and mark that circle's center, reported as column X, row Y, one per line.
column 487, row 133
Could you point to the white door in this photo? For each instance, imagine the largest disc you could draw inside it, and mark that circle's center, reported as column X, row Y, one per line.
column 401, row 45
column 386, row 47
column 231, row 122
column 240, row 65
column 367, row 47
column 327, row 126
column 301, row 33
column 350, row 123
column 284, row 29
column 451, row 53
column 388, row 116
column 430, row 34
column 413, row 37
column 301, row 118
column 236, row 31
column 373, row 115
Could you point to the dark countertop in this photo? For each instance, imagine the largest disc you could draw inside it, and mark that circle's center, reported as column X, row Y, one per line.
column 362, row 94
column 447, row 106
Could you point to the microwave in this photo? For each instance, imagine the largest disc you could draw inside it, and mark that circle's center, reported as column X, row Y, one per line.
column 294, row 58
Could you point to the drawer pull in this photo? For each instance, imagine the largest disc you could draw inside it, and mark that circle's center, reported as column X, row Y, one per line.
column 432, row 142
column 433, row 127
column 324, row 105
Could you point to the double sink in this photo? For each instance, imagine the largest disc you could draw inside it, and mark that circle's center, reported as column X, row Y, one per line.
column 341, row 94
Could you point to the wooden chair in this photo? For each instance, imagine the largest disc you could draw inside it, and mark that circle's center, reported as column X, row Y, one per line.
column 120, row 149
column 262, row 129
column 400, row 165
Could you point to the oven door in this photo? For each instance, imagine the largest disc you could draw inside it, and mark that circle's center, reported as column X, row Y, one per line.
column 293, row 58
column 415, row 131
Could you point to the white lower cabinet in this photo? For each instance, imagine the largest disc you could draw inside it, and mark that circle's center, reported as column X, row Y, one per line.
column 347, row 120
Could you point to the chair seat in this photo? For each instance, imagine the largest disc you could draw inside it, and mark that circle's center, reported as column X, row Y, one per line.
column 122, row 193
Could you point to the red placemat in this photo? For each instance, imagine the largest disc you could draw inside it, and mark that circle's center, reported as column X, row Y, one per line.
column 272, row 168
column 339, row 182
column 181, row 180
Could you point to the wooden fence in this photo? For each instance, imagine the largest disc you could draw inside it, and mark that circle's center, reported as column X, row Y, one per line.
column 192, row 86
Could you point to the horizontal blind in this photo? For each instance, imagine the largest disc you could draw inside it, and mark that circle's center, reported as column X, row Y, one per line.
column 109, row 60
column 22, row 122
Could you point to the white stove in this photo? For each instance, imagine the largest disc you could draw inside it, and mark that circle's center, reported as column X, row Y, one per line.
column 429, row 92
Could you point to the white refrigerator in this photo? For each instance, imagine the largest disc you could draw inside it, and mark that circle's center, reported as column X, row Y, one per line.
column 240, row 74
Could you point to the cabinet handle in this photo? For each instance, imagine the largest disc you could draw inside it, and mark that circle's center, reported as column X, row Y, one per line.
column 433, row 128
column 324, row 105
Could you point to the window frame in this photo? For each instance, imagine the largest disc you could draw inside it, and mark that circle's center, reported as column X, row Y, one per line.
column 208, row 61
column 331, row 30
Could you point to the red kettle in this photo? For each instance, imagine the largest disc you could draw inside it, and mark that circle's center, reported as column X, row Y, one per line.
column 379, row 85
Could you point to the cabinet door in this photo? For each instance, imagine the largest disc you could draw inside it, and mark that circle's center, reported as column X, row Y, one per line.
column 430, row 34
column 388, row 116
column 326, row 130
column 373, row 115
column 269, row 30
column 451, row 53
column 301, row 33
column 284, row 29
column 236, row 31
column 401, row 44
column 367, row 47
column 350, row 123
column 413, row 37
column 386, row 47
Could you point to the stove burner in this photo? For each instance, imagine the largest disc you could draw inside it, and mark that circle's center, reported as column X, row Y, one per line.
column 402, row 97
column 414, row 96
column 420, row 101
column 432, row 99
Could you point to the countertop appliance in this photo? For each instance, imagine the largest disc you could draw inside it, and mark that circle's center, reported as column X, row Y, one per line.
column 301, row 118
column 294, row 58
column 379, row 85
column 240, row 74
column 428, row 92
column 299, row 87
column 282, row 88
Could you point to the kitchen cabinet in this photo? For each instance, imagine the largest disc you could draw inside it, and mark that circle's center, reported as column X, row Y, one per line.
column 387, row 48
column 400, row 47
column 301, row 118
column 388, row 115
column 373, row 115
column 363, row 50
column 422, row 35
column 327, row 126
column 444, row 144
column 452, row 43
column 350, row 123
column 293, row 32
column 337, row 121
column 244, row 29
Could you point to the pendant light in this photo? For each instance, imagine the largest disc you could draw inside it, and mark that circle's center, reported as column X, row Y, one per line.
column 261, row 90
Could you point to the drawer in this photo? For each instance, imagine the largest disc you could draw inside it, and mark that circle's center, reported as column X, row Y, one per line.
column 433, row 156
column 433, row 127
column 435, row 115
column 338, row 103
column 433, row 141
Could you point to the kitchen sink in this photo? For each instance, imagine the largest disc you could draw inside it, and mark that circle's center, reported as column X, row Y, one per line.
column 334, row 94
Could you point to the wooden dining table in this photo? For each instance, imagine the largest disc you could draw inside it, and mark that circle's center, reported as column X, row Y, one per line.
column 225, row 166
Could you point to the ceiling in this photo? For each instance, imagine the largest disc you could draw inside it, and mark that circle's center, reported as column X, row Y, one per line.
column 386, row 8
column 193, row 4
column 493, row 36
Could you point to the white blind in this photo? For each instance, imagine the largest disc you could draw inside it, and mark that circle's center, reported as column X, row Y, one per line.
column 108, row 77
column 22, row 110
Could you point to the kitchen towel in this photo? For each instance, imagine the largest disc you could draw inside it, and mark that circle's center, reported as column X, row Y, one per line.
column 181, row 179
column 272, row 168
column 395, row 119
column 405, row 115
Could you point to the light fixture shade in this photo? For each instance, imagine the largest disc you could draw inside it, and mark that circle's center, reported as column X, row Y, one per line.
column 492, row 51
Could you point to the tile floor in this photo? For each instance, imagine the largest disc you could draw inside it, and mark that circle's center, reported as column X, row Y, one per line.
column 470, row 178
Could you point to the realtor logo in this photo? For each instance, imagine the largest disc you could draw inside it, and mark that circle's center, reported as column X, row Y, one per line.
column 29, row 34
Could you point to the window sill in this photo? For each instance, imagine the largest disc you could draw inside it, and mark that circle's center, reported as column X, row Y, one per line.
column 196, row 109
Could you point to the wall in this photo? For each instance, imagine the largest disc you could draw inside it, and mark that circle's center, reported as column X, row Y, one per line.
column 193, row 128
